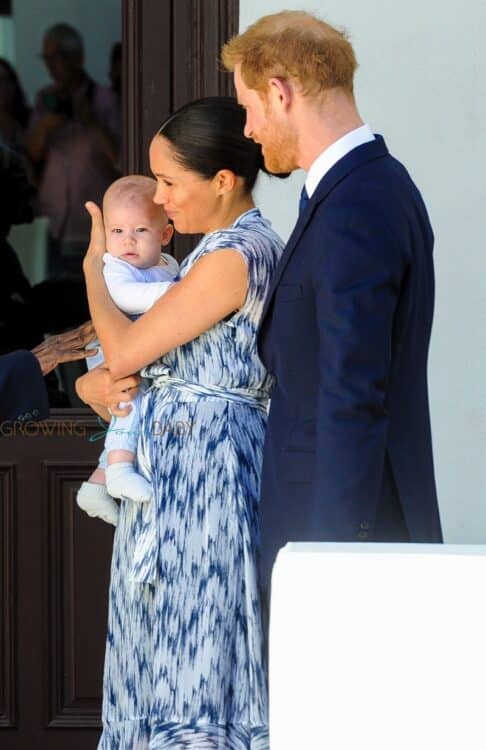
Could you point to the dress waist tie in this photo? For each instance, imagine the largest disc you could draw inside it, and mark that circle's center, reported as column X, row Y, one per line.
column 249, row 396
column 144, row 565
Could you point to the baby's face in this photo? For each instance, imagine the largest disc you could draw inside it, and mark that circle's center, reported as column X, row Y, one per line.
column 134, row 231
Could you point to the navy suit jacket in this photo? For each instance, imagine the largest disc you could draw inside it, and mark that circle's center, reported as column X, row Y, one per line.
column 23, row 395
column 345, row 329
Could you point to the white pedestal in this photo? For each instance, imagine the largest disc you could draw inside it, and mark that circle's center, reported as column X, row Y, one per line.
column 378, row 647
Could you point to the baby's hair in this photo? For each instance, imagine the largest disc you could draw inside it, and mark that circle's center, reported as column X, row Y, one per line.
column 133, row 188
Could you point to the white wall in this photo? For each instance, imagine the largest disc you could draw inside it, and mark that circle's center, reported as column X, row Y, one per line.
column 98, row 22
column 422, row 84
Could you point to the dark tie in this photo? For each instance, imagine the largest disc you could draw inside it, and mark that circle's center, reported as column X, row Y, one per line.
column 304, row 200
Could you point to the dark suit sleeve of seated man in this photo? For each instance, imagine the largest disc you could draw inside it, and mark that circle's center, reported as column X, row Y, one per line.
column 23, row 395
column 374, row 298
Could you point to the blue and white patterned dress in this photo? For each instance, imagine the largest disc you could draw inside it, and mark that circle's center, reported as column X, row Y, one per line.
column 184, row 662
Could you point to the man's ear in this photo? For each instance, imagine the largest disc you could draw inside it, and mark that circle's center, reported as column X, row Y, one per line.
column 167, row 234
column 280, row 91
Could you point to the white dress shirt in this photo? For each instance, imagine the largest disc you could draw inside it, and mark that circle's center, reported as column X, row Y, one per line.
column 331, row 155
column 134, row 290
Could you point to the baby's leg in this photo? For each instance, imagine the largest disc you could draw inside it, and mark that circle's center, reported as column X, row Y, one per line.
column 98, row 476
column 93, row 497
column 122, row 479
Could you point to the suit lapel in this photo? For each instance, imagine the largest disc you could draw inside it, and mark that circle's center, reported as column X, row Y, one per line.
column 355, row 159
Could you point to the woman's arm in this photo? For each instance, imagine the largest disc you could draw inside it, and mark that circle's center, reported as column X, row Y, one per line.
column 215, row 286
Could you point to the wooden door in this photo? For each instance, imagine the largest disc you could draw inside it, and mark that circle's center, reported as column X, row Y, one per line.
column 54, row 560
column 54, row 580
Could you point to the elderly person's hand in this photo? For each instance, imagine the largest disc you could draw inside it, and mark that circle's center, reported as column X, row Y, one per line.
column 65, row 347
column 97, row 242
column 98, row 389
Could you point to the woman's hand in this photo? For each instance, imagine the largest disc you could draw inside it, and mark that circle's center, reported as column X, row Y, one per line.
column 65, row 347
column 98, row 387
column 97, row 243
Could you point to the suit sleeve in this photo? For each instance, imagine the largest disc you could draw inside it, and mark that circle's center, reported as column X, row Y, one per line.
column 23, row 395
column 357, row 287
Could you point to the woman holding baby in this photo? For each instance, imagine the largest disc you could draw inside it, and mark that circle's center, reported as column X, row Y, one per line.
column 185, row 664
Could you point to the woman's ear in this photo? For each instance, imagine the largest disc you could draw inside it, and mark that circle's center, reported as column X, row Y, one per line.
column 167, row 234
column 225, row 181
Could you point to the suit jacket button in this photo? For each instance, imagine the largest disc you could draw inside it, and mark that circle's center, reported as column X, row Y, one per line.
column 365, row 525
column 35, row 413
column 363, row 535
column 28, row 416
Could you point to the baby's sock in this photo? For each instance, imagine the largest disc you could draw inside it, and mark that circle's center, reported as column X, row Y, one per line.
column 95, row 501
column 123, row 481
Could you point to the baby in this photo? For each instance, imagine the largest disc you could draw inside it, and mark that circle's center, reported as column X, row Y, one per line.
column 136, row 274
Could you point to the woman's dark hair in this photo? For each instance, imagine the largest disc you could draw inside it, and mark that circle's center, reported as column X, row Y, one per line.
column 207, row 136
column 20, row 110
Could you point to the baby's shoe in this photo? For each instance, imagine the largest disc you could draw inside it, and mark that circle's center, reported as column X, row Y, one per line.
column 95, row 501
column 123, row 481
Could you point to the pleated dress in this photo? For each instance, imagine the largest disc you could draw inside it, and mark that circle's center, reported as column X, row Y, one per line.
column 185, row 665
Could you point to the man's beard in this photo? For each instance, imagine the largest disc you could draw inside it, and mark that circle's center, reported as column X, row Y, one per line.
column 280, row 152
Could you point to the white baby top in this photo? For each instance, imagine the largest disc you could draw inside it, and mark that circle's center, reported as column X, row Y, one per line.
column 134, row 290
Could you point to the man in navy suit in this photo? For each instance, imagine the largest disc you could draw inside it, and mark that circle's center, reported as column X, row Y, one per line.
column 346, row 324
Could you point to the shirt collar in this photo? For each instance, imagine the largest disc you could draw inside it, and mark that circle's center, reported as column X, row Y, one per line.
column 333, row 153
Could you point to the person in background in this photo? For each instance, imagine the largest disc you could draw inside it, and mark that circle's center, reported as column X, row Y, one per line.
column 14, row 112
column 28, row 313
column 73, row 140
column 23, row 394
column 20, row 327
